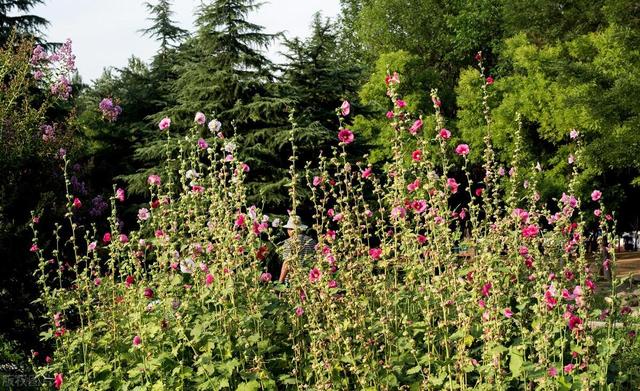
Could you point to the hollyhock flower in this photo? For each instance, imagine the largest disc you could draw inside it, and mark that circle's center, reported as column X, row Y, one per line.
column 568, row 368
column 453, row 185
column 208, row 280
column 590, row 284
column 143, row 214
column 422, row 239
column 571, row 159
column 513, row 171
column 573, row 134
column 390, row 114
column 314, row 275
column 239, row 220
column 123, row 238
column 478, row 56
column 375, row 253
column 338, row 217
column 137, row 340
column 415, row 127
column 479, row 191
column 148, row 293
column 332, row 284
column 597, row 212
column 159, row 233
column 486, row 289
column 444, row 134
column 462, row 149
column 568, row 274
column 416, row 155
column 368, row 213
column 92, row 246
column 481, row 303
column 200, row 118
column 608, row 217
column 120, row 195
column 436, row 101
column 36, row 219
column 413, row 186
column 507, row 312
column 299, row 311
column 345, row 109
column 626, row 310
column 398, row 212
column 489, row 80
column 523, row 250
column 400, row 103
column 331, row 234
column 202, row 143
column 419, row 206
column 106, row 238
column 346, row 136
column 265, row 277
column 58, row 380
column 34, row 248
column 596, row 195
column 187, row 266
column 129, row 281
column 530, row 231
column 97, row 281
column 214, row 126
column 501, row 171
column 552, row 371
column 575, row 323
column 154, row 180
column 164, row 123
column 77, row 203
column 463, row 214
column 366, row 173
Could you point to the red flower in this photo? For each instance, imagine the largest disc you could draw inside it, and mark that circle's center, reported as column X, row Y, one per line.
column 489, row 80
column 416, row 155
column 58, row 380
column 346, row 136
column 77, row 203
column 106, row 238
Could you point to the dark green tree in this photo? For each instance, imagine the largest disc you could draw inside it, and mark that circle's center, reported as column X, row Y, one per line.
column 163, row 27
column 14, row 14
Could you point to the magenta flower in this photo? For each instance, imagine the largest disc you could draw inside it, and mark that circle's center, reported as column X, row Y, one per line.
column 314, row 275
column 462, row 149
column 106, row 238
column 239, row 220
column 415, row 127
column 299, row 311
column 345, row 109
column 346, row 136
column 416, row 155
column 596, row 195
column 400, row 103
column 413, row 186
column 489, row 80
column 137, row 340
column 58, row 380
column 366, row 173
column 148, row 293
column 34, row 248
column 129, row 281
column 332, row 284
column 507, row 312
column 568, row 368
column 422, row 239
column 575, row 323
column 200, row 118
column 154, row 180
column 208, row 280
column 97, row 281
column 453, row 185
column 77, row 203
column 389, row 114
column 530, row 231
column 552, row 371
column 375, row 253
column 120, row 195
column 202, row 143
column 419, row 206
column 265, row 277
column 123, row 238
column 486, row 289
column 444, row 134
column 164, row 123
column 317, row 181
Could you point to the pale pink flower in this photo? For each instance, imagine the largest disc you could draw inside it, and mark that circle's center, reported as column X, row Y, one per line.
column 164, row 123
column 200, row 118
column 345, row 109
column 123, row 238
column 265, row 277
column 317, row 180
column 596, row 195
column 398, row 212
column 574, row 134
column 415, row 127
column 597, row 212
column 120, row 195
column 568, row 368
column 154, row 180
column 143, row 214
column 92, row 246
column 202, row 143
column 413, row 186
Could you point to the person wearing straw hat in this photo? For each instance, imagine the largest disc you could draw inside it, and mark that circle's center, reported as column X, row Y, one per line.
column 297, row 244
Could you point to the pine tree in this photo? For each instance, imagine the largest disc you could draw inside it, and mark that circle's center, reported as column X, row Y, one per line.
column 14, row 15
column 163, row 28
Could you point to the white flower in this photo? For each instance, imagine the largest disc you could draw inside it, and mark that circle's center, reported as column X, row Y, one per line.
column 191, row 174
column 276, row 223
column 230, row 147
column 187, row 265
column 214, row 126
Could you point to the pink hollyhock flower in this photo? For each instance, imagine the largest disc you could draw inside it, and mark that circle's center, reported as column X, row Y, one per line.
column 573, row 134
column 479, row 191
column 345, row 109
column 159, row 233
column 462, row 149
column 92, row 246
column 58, row 380
column 148, row 293
column 463, row 214
column 331, row 212
column 568, row 368
column 314, row 275
column 530, row 231
column 568, row 274
column 34, row 248
column 331, row 234
column 202, row 143
column 436, row 101
column 419, row 206
column 575, row 323
column 375, row 253
column 120, row 195
column 36, row 219
column 346, row 136
column 389, row 114
column 245, row 167
column 507, row 312
column 453, row 185
column 239, row 220
column 265, row 277
column 366, row 173
column 333, row 284
column 597, row 212
column 596, row 195
column 413, row 186
column 299, row 311
column 208, row 280
column 200, row 118
column 338, row 217
column 106, row 238
column 422, row 239
column 143, row 214
column 77, row 203
column 415, row 127
column 481, row 303
column 478, row 56
column 137, row 340
column 590, row 284
column 486, row 289
column 398, row 212
column 97, row 281
column 523, row 250
column 416, row 155
column 164, row 123
column 154, row 180
column 444, row 134
column 400, row 103
column 608, row 217
column 123, row 238
column 489, row 80
column 317, row 180
column 552, row 371
column 129, row 281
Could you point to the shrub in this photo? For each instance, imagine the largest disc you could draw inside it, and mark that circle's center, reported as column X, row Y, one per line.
column 420, row 280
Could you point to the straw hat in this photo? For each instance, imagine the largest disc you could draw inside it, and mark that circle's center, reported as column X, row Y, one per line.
column 294, row 223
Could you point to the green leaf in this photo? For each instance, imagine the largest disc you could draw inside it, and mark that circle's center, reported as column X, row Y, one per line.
column 414, row 370
column 253, row 385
